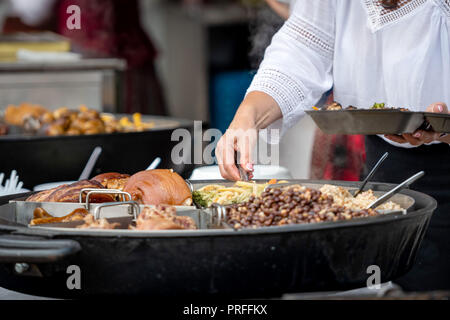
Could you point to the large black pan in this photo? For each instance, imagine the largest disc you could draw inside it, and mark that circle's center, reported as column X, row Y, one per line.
column 41, row 159
column 245, row 263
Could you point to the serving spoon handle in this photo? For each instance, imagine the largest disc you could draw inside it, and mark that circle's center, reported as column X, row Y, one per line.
column 396, row 190
column 371, row 173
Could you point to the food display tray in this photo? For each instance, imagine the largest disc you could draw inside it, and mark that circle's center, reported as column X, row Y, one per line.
column 439, row 122
column 207, row 262
column 403, row 200
column 370, row 122
column 44, row 159
column 246, row 263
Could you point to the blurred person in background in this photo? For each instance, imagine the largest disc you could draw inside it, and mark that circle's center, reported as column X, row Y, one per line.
column 109, row 28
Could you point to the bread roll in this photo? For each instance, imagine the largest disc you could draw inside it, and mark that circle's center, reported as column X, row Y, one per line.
column 159, row 186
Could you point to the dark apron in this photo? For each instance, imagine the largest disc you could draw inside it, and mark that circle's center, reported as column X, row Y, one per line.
column 432, row 268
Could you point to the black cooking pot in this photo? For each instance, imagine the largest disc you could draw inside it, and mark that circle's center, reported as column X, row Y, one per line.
column 41, row 159
column 263, row 262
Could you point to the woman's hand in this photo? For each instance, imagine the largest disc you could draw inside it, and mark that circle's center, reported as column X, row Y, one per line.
column 421, row 136
column 257, row 111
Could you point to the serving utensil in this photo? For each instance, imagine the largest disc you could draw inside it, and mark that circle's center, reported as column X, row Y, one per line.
column 396, row 190
column 155, row 163
column 371, row 173
column 12, row 185
column 242, row 173
column 90, row 164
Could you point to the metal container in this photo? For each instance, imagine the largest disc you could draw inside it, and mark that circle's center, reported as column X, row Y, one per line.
column 263, row 262
column 96, row 83
column 367, row 122
column 406, row 202
column 41, row 159
column 439, row 122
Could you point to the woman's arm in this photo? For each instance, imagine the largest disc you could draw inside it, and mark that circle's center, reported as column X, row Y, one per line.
column 295, row 72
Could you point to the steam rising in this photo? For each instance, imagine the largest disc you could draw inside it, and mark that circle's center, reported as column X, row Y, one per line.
column 265, row 24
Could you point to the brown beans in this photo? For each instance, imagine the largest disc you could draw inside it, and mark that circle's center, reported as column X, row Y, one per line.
column 295, row 204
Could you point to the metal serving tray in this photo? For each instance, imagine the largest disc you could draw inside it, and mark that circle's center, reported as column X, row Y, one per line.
column 60, row 209
column 247, row 263
column 367, row 122
column 406, row 202
column 21, row 212
column 60, row 158
column 438, row 121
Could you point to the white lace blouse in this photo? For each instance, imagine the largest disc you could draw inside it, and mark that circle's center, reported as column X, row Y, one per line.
column 365, row 52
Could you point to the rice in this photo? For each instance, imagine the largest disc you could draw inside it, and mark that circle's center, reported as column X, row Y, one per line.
column 343, row 197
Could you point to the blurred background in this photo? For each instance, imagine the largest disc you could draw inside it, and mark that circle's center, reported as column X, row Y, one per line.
column 189, row 59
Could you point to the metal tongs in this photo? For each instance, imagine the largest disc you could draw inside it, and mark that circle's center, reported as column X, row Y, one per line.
column 371, row 173
column 397, row 189
column 242, row 173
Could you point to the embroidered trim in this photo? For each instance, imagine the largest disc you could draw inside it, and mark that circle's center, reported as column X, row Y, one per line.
column 310, row 36
column 380, row 17
column 444, row 5
column 281, row 87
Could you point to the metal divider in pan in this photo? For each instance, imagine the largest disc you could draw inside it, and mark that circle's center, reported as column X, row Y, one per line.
column 201, row 218
column 124, row 221
column 25, row 209
column 124, row 212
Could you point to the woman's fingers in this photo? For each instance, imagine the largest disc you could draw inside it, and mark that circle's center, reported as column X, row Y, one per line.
column 412, row 140
column 438, row 107
column 225, row 158
column 246, row 142
column 243, row 141
column 426, row 136
column 418, row 138
column 396, row 138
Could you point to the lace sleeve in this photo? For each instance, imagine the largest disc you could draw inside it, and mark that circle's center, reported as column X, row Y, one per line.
column 297, row 66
